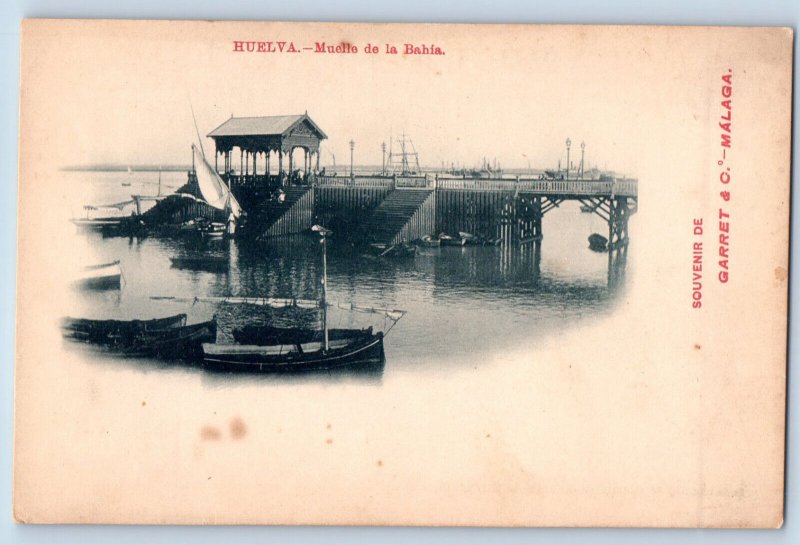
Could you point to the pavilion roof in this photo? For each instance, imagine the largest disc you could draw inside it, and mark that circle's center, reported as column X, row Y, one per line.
column 272, row 125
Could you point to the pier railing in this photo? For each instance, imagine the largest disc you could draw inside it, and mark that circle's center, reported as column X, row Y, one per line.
column 620, row 187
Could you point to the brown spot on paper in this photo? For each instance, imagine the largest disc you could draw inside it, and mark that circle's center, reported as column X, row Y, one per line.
column 238, row 428
column 210, row 433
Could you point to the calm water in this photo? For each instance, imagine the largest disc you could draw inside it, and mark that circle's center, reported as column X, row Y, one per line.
column 459, row 300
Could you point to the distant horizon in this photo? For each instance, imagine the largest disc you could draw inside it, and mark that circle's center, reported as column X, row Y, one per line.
column 175, row 167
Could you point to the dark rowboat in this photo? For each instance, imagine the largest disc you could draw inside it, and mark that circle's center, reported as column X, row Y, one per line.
column 403, row 249
column 113, row 332
column 447, row 240
column 293, row 358
column 429, row 242
column 165, row 338
column 598, row 243
column 174, row 343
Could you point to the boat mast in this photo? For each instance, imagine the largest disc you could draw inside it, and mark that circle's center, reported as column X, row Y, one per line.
column 324, row 300
column 325, row 289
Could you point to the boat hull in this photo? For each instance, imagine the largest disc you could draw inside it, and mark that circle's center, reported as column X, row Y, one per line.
column 366, row 352
column 100, row 277
column 163, row 338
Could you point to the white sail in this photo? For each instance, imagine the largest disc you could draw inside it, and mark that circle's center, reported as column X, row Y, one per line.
column 213, row 189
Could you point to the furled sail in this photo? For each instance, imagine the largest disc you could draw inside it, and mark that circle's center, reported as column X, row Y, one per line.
column 276, row 302
column 213, row 189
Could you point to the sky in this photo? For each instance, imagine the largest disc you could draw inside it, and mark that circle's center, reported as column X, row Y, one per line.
column 126, row 97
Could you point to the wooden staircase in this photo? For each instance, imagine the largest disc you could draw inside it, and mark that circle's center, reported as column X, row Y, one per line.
column 405, row 215
column 294, row 215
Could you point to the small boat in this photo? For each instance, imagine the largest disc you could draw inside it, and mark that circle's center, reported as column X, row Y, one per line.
column 429, row 242
column 598, row 243
column 447, row 240
column 294, row 358
column 174, row 343
column 586, row 208
column 106, row 276
column 97, row 224
column 403, row 249
column 210, row 229
column 468, row 238
column 112, row 331
column 289, row 350
column 126, row 184
column 165, row 338
column 201, row 263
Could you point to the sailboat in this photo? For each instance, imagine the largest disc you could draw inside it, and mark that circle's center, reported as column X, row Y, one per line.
column 294, row 350
column 216, row 194
column 127, row 184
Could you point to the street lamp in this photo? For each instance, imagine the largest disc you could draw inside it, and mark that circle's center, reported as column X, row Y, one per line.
column 383, row 158
column 569, row 143
column 352, row 147
column 583, row 147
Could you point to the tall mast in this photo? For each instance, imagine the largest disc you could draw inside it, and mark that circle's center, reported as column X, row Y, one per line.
column 324, row 300
column 325, row 289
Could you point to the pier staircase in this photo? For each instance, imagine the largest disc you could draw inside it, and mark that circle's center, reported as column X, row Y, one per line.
column 405, row 215
column 273, row 218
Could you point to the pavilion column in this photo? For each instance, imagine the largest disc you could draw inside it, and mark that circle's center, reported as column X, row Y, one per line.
column 291, row 161
column 255, row 164
column 280, row 163
column 268, row 166
column 317, row 160
column 306, row 162
column 241, row 161
column 216, row 157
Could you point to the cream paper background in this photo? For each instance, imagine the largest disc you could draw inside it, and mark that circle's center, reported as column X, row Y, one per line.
column 658, row 415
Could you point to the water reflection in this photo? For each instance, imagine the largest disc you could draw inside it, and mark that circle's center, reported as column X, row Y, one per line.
column 478, row 298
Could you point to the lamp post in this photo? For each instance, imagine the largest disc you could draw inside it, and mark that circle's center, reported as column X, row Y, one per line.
column 569, row 143
column 383, row 158
column 583, row 148
column 352, row 147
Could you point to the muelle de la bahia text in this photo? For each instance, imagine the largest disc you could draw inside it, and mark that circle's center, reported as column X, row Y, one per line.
column 341, row 48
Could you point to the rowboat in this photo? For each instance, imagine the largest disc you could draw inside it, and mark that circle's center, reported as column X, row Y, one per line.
column 403, row 249
column 295, row 350
column 112, row 331
column 105, row 276
column 165, row 338
column 598, row 243
column 429, row 242
column 447, row 240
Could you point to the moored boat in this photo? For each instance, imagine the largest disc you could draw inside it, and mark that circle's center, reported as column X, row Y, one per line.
column 402, row 249
column 293, row 350
column 598, row 243
column 111, row 331
column 448, row 240
column 105, row 276
column 429, row 242
column 295, row 358
column 167, row 338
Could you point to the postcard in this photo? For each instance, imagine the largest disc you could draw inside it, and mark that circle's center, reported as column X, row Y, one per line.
column 402, row 274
